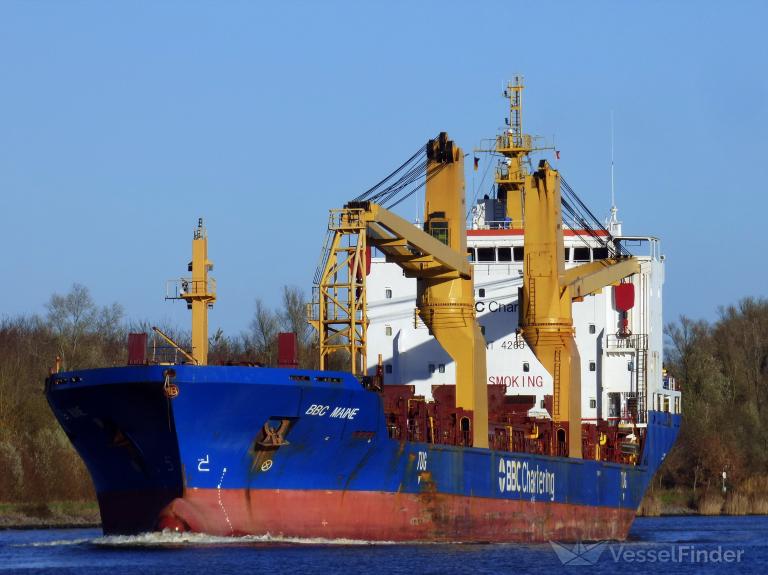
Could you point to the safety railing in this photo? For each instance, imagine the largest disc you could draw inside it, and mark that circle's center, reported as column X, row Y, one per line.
column 635, row 341
column 508, row 224
column 181, row 287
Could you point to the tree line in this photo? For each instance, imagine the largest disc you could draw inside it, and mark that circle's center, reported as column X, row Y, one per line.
column 722, row 367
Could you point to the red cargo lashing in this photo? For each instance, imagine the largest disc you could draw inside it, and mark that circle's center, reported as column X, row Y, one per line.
column 287, row 350
column 137, row 349
column 624, row 296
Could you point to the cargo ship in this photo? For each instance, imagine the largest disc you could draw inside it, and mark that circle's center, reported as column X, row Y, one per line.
column 497, row 381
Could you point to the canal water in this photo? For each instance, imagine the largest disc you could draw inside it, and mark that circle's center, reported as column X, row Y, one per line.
column 698, row 545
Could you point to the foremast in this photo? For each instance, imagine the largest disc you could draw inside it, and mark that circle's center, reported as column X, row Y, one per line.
column 199, row 291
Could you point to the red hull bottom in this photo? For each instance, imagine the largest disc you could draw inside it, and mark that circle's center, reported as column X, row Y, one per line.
column 373, row 516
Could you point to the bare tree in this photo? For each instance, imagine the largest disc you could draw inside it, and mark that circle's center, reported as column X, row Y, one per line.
column 74, row 316
column 294, row 314
column 264, row 329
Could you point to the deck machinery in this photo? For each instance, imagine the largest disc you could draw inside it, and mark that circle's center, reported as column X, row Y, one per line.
column 436, row 257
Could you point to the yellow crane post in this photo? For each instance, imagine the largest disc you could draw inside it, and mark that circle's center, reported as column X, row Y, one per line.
column 546, row 318
column 447, row 305
column 199, row 292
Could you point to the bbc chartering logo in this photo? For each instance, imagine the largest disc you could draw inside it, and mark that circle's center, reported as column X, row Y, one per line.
column 589, row 554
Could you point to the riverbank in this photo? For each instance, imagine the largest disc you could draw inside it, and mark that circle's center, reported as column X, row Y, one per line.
column 57, row 514
column 683, row 501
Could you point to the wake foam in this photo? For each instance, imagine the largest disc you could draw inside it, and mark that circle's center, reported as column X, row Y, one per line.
column 56, row 543
column 170, row 538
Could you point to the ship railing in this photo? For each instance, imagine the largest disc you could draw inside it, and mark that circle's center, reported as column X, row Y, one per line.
column 509, row 224
column 627, row 417
column 629, row 408
column 516, row 142
column 165, row 354
column 313, row 307
column 347, row 219
column 642, row 247
column 668, row 382
column 636, row 341
column 181, row 287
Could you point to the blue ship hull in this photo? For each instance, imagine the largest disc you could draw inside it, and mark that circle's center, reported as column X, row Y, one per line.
column 242, row 450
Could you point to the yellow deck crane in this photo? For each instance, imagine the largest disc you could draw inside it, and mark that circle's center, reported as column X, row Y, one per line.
column 533, row 202
column 546, row 318
column 436, row 256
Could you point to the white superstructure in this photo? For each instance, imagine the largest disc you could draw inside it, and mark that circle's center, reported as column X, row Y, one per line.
column 621, row 374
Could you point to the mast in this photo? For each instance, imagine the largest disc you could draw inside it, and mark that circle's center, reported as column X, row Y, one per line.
column 199, row 292
column 614, row 225
column 515, row 147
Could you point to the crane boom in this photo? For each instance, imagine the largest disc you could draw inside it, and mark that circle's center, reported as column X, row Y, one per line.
column 590, row 278
column 417, row 252
column 435, row 256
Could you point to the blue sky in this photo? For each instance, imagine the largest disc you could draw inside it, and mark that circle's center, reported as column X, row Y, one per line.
column 122, row 123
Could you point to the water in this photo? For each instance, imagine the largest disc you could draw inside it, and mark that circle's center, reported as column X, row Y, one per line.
column 699, row 544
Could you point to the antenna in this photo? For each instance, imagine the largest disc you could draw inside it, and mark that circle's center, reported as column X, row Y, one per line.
column 613, row 193
column 614, row 225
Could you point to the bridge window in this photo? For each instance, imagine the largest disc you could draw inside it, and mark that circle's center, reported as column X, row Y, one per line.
column 486, row 254
column 388, row 368
column 526, row 367
column 388, row 330
column 592, row 366
column 481, row 292
column 504, row 254
column 388, row 293
column 441, row 368
column 591, row 328
column 600, row 254
column 567, row 255
column 519, row 253
column 581, row 254
column 471, row 254
column 592, row 403
column 431, row 368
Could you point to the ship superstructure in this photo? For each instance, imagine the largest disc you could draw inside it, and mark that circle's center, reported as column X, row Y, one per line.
column 622, row 374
